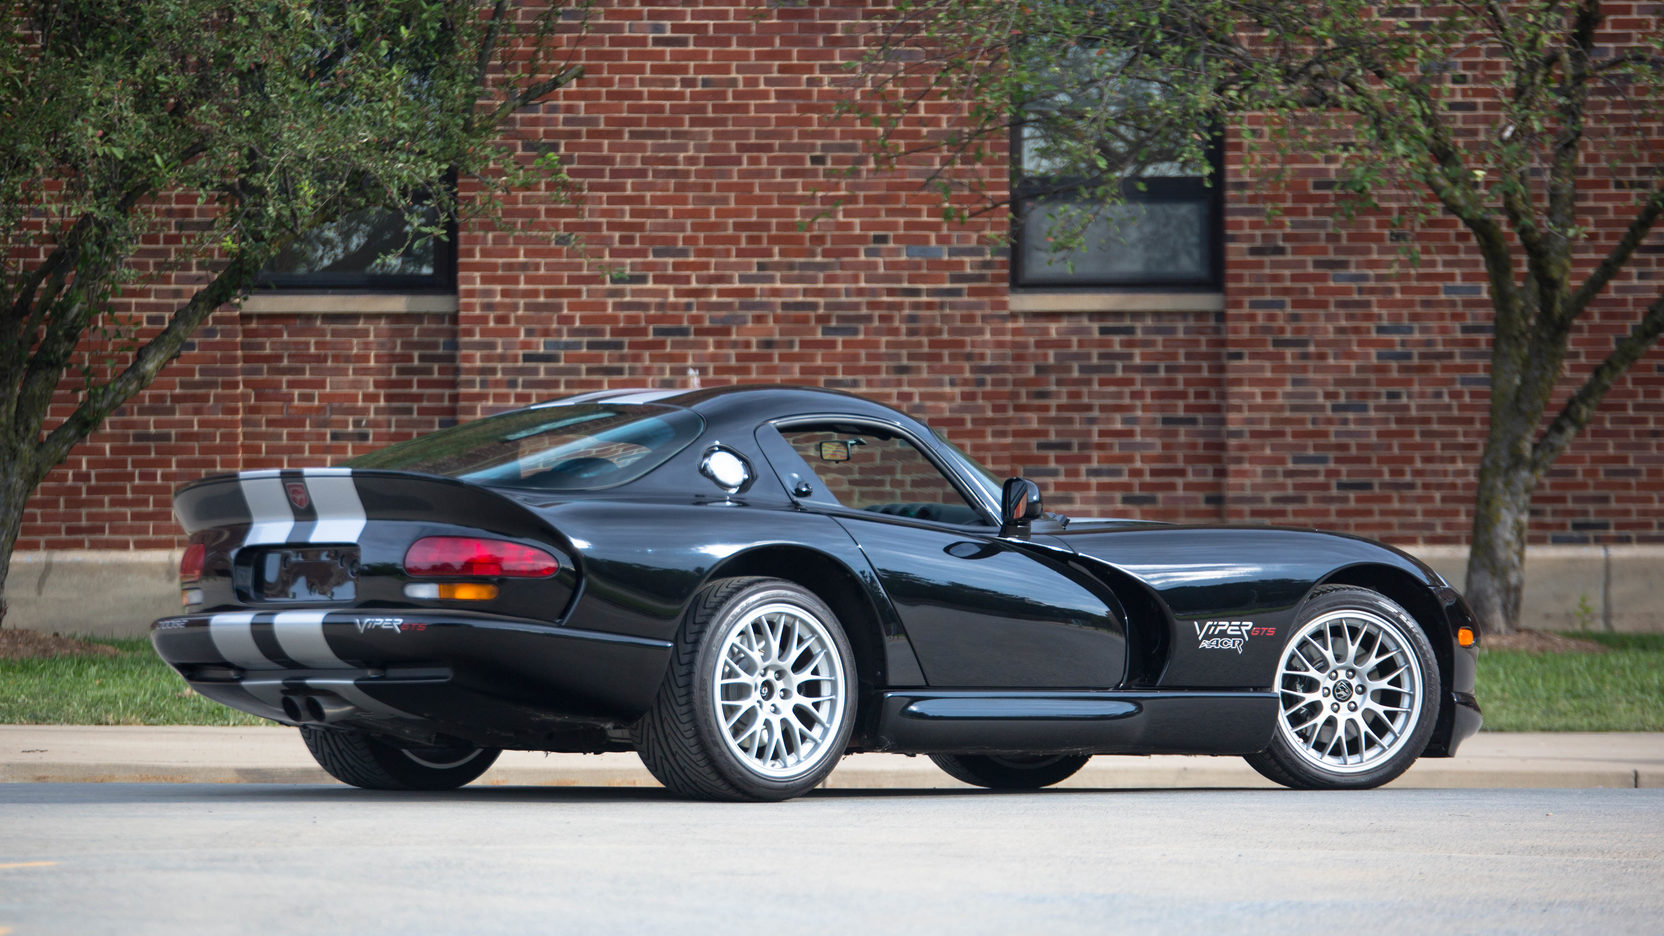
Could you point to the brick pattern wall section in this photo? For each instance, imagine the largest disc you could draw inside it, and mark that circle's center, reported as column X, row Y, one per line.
column 115, row 491
column 322, row 388
column 1337, row 389
column 1358, row 391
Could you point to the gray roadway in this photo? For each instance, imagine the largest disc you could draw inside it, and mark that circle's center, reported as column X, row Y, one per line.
column 256, row 858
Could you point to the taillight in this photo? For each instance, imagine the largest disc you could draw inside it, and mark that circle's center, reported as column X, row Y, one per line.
column 471, row 556
column 190, row 564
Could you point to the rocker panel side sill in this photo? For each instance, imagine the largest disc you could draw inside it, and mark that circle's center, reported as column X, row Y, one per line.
column 979, row 721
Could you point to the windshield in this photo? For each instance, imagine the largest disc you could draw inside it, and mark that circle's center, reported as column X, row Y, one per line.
column 982, row 476
column 556, row 448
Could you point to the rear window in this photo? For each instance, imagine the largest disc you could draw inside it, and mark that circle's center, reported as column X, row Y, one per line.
column 555, row 448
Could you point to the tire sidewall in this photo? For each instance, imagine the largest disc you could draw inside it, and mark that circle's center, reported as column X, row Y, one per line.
column 708, row 718
column 1415, row 640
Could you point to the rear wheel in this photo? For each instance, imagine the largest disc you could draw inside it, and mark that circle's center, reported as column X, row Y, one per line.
column 759, row 699
column 1011, row 771
column 1358, row 691
column 361, row 760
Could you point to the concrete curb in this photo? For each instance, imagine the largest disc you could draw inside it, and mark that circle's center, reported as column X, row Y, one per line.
column 80, row 754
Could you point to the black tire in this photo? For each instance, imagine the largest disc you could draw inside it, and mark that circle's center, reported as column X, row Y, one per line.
column 687, row 740
column 1013, row 771
column 361, row 760
column 1331, row 711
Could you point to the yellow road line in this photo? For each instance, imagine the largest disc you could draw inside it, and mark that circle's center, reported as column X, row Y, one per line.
column 26, row 864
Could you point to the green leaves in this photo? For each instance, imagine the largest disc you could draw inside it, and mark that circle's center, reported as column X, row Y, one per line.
column 142, row 139
column 1100, row 91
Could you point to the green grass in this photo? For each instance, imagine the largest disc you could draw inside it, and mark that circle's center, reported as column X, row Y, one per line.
column 134, row 687
column 1620, row 690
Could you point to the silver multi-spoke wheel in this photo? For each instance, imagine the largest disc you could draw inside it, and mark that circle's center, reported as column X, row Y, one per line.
column 759, row 699
column 780, row 689
column 1351, row 690
column 1357, row 693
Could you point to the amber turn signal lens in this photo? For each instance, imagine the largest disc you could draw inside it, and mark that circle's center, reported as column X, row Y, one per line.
column 1464, row 636
column 467, row 591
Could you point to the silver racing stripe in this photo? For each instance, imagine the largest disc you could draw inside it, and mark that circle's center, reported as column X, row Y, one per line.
column 340, row 512
column 233, row 637
column 268, row 507
column 301, row 635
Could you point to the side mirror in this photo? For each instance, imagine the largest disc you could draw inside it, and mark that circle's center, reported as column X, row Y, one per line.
column 1019, row 502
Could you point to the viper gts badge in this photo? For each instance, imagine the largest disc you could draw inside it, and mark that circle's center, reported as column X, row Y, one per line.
column 1229, row 635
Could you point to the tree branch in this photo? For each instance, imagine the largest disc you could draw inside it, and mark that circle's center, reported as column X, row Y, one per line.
column 1562, row 182
column 488, row 44
column 147, row 363
column 530, row 94
column 1651, row 210
column 1581, row 406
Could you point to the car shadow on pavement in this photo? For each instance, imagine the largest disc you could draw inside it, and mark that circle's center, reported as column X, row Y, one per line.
column 43, row 793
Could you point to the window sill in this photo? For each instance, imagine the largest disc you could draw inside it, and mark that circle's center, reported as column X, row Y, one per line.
column 347, row 303
column 1106, row 301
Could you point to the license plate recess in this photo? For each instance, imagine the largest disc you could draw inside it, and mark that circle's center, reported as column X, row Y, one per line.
column 316, row 573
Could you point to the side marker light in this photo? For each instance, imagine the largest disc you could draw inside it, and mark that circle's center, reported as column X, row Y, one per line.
column 1465, row 636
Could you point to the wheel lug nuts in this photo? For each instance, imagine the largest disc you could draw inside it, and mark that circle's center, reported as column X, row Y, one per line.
column 1350, row 674
column 1351, row 706
column 1334, row 706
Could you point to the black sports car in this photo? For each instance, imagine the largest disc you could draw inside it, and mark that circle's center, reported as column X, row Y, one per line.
column 743, row 584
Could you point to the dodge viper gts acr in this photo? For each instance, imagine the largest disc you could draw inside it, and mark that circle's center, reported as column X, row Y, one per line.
column 743, row 584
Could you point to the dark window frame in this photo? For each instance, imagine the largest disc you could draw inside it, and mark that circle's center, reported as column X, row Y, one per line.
column 443, row 279
column 1030, row 191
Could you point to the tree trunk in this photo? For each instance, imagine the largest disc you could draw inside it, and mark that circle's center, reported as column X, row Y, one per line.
column 1496, row 558
column 15, row 488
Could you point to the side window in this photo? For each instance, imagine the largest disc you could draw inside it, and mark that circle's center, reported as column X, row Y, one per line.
column 865, row 469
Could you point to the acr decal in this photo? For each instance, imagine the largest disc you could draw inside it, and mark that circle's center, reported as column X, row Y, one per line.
column 1229, row 635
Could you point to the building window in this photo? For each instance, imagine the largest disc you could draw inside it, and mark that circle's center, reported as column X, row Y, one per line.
column 372, row 250
column 1166, row 232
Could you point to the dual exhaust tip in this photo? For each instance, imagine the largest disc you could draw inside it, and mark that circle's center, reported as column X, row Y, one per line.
column 322, row 709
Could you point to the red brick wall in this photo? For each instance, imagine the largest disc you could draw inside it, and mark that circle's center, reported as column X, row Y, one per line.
column 320, row 388
column 1331, row 391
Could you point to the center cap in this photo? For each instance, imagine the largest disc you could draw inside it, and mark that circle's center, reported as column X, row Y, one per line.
column 1343, row 690
column 766, row 690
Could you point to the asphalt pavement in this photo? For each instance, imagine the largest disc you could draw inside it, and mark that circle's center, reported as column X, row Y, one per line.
column 87, row 859
column 65, row 753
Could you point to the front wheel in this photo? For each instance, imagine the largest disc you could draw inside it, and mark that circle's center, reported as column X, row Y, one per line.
column 759, row 700
column 363, row 761
column 1011, row 771
column 1358, row 692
